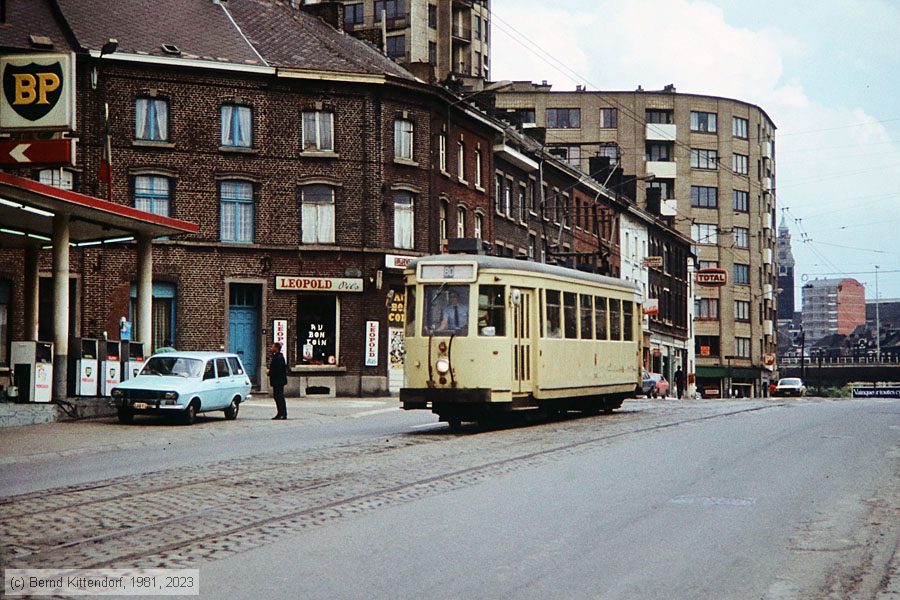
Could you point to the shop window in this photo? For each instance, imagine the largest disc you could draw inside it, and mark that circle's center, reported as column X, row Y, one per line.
column 60, row 178
column 317, row 329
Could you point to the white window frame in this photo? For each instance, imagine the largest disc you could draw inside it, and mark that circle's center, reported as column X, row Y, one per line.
column 404, row 219
column 317, row 214
column 404, row 138
column 236, row 126
column 460, row 222
column 317, row 130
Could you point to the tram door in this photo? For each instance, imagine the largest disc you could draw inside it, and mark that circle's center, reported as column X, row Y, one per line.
column 522, row 329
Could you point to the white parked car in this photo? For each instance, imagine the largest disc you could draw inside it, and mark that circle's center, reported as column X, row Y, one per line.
column 184, row 384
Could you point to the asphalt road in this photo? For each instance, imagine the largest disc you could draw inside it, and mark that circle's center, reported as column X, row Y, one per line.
column 739, row 499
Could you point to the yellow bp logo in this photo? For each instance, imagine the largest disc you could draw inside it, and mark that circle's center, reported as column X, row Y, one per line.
column 33, row 90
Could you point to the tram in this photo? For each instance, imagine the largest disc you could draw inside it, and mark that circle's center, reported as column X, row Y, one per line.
column 487, row 335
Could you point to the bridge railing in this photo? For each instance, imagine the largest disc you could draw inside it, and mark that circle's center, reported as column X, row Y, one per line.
column 840, row 360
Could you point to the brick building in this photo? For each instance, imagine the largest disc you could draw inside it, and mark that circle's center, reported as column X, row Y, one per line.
column 308, row 160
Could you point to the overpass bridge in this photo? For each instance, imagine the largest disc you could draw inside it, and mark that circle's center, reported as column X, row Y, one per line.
column 838, row 371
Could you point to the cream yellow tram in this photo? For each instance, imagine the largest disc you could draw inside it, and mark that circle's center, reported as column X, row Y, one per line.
column 487, row 335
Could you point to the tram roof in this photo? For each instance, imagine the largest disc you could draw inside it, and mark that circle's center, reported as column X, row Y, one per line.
column 512, row 264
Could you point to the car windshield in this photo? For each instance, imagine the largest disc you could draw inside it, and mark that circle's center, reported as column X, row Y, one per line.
column 173, row 366
column 789, row 382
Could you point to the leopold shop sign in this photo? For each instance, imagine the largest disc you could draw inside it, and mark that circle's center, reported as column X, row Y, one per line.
column 318, row 284
column 38, row 92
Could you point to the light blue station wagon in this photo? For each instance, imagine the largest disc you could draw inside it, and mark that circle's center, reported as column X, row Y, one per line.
column 184, row 384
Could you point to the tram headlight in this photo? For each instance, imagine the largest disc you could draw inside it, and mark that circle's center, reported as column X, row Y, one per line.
column 442, row 365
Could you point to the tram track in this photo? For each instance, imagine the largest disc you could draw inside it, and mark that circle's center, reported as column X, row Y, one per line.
column 255, row 506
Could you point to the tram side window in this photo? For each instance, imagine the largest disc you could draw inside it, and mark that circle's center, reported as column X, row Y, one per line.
column 600, row 328
column 627, row 321
column 491, row 310
column 587, row 317
column 446, row 310
column 615, row 319
column 554, row 307
column 570, row 314
column 410, row 310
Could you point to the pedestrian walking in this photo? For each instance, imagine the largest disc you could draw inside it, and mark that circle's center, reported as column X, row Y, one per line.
column 679, row 382
column 278, row 379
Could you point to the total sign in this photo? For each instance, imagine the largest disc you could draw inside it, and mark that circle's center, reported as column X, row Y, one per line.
column 38, row 92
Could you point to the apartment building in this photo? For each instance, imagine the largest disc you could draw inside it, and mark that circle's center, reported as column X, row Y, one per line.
column 832, row 306
column 706, row 164
column 439, row 40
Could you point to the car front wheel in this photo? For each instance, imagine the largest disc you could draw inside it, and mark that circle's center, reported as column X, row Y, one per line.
column 190, row 414
column 125, row 415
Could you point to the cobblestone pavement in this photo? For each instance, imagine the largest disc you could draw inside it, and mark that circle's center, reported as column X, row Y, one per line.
column 237, row 505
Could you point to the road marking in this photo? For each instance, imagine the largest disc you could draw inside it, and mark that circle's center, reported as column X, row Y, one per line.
column 377, row 411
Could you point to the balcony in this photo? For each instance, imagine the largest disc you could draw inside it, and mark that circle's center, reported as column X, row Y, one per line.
column 664, row 132
column 767, row 256
column 661, row 169
column 462, row 33
column 767, row 184
column 669, row 208
column 768, row 327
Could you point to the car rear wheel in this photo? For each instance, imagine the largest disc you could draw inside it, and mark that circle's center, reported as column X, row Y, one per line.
column 125, row 415
column 190, row 414
column 231, row 412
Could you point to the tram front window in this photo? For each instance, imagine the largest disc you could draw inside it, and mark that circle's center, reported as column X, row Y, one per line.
column 446, row 310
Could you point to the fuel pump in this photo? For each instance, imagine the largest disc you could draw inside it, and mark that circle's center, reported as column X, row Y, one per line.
column 83, row 374
column 32, row 365
column 132, row 359
column 110, row 366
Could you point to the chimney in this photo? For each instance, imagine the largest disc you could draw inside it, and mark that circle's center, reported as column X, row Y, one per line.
column 330, row 12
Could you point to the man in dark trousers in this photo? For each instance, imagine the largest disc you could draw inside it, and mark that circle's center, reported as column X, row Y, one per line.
column 679, row 382
column 278, row 379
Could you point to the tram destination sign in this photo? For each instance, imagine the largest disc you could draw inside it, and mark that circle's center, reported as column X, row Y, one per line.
column 713, row 277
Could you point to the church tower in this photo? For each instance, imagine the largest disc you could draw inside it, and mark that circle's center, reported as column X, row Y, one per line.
column 785, row 273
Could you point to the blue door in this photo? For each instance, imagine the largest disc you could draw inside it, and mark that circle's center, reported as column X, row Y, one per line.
column 243, row 326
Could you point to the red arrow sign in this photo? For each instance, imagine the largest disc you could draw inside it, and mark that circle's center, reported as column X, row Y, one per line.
column 36, row 152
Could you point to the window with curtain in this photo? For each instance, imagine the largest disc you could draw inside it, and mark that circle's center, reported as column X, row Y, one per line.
column 461, row 161
column 151, row 119
column 461, row 222
column 237, row 126
column 61, row 178
column 442, row 152
column 478, row 167
column 5, row 299
column 162, row 314
column 442, row 220
column 403, row 139
column 317, row 216
column 479, row 226
column 318, row 130
column 152, row 194
column 236, row 202
column 403, row 219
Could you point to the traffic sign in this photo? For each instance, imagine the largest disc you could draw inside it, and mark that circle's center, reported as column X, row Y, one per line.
column 36, row 152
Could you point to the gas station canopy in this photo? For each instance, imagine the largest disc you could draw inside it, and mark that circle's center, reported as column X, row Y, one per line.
column 27, row 209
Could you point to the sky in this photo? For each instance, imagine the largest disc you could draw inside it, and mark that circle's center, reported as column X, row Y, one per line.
column 825, row 72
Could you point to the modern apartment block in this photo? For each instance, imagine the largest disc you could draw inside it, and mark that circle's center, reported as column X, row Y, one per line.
column 712, row 161
column 832, row 306
column 438, row 40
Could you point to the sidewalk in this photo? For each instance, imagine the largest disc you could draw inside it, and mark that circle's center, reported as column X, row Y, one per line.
column 103, row 434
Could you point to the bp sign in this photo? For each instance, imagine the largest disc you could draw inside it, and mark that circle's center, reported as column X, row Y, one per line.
column 38, row 92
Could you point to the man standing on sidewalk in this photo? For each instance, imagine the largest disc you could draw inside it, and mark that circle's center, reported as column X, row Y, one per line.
column 278, row 379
